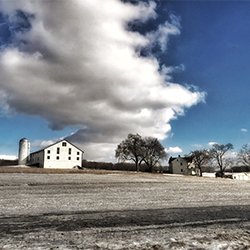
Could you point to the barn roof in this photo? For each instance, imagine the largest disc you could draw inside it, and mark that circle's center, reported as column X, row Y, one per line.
column 55, row 144
column 188, row 159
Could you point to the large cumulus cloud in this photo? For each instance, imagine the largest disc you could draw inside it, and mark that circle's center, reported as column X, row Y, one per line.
column 76, row 63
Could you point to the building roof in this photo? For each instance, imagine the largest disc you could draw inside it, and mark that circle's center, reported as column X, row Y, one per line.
column 55, row 144
column 188, row 158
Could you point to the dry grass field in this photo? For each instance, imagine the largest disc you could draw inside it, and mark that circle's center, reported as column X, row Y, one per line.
column 34, row 170
column 88, row 209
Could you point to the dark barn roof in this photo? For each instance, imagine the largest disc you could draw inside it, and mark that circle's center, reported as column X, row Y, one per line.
column 188, row 159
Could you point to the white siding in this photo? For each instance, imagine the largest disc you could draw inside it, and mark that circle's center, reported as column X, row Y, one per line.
column 182, row 166
column 240, row 176
column 59, row 156
column 37, row 159
column 179, row 166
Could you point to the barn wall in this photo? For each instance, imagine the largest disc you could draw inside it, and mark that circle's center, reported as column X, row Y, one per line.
column 36, row 159
column 62, row 155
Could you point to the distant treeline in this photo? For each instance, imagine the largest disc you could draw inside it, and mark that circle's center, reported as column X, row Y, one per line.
column 120, row 166
column 124, row 166
column 4, row 162
column 238, row 169
column 131, row 167
column 208, row 169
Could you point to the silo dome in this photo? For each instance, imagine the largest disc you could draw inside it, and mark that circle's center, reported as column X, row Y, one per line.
column 24, row 151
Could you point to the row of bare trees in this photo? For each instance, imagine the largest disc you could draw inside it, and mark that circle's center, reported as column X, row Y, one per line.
column 217, row 153
column 148, row 150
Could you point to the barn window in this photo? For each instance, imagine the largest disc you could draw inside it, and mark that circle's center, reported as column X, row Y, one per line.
column 57, row 158
column 48, row 157
column 181, row 170
column 69, row 158
column 69, row 151
column 48, row 151
column 64, row 144
column 58, row 151
column 77, row 158
column 78, row 153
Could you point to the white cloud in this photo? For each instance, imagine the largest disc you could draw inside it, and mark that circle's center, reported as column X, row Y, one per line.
column 243, row 130
column 8, row 157
column 80, row 66
column 173, row 150
column 42, row 144
column 232, row 155
column 161, row 35
column 210, row 144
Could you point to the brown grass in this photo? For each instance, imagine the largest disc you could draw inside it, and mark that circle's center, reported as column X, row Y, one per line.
column 33, row 170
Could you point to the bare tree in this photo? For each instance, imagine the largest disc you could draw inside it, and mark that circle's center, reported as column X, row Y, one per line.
column 200, row 158
column 131, row 149
column 155, row 152
column 218, row 152
column 229, row 163
column 138, row 149
column 244, row 155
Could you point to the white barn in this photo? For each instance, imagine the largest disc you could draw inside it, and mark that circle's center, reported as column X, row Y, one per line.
column 62, row 154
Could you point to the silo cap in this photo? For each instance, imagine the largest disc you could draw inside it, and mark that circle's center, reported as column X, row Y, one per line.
column 24, row 139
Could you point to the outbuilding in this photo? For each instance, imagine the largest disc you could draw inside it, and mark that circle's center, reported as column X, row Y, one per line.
column 240, row 176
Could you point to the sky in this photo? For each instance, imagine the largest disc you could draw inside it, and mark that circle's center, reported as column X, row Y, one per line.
column 93, row 71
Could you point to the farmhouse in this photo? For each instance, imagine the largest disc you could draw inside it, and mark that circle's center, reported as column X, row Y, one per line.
column 62, row 154
column 182, row 165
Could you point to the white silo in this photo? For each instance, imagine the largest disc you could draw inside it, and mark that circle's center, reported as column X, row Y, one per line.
column 24, row 151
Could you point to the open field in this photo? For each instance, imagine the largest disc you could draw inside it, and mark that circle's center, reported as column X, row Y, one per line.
column 122, row 211
column 34, row 170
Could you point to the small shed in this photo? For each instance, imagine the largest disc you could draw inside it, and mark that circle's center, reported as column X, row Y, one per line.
column 240, row 176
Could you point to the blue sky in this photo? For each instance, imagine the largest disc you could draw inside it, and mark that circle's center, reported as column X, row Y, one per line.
column 78, row 72
column 214, row 47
